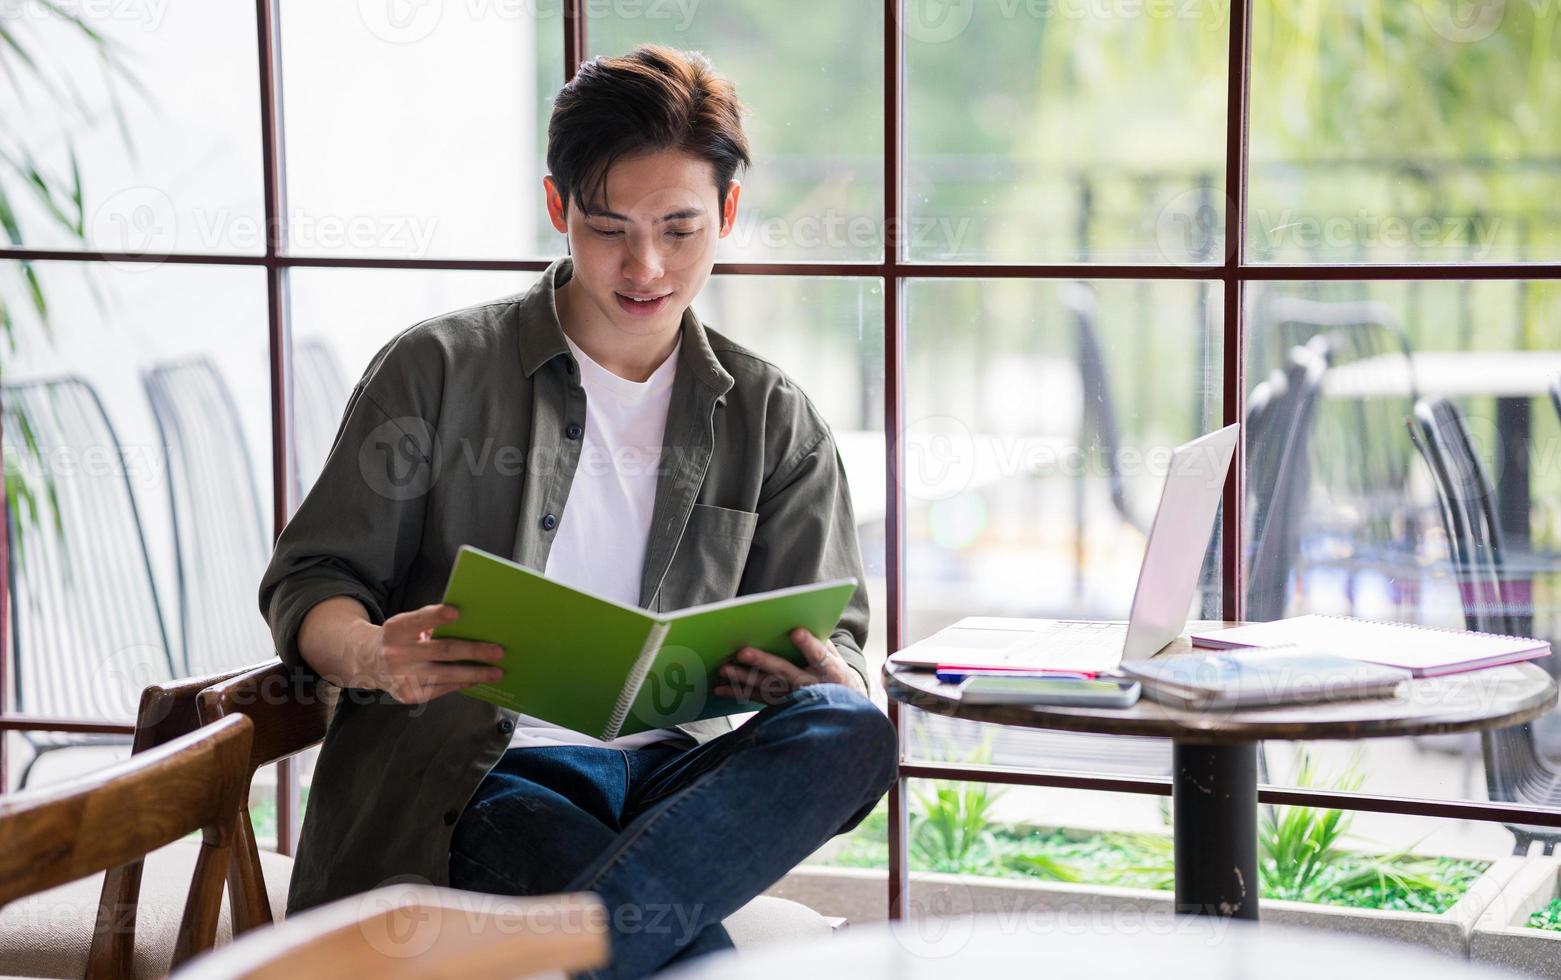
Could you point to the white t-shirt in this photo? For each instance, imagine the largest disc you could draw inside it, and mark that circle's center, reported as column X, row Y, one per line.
column 601, row 535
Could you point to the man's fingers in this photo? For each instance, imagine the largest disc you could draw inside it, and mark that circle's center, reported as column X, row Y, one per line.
column 408, row 626
column 748, row 684
column 815, row 650
column 452, row 675
column 447, row 650
column 770, row 663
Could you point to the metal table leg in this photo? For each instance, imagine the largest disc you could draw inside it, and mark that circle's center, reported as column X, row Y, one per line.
column 1214, row 803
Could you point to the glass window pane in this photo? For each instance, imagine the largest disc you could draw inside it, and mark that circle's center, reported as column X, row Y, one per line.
column 1040, row 415
column 340, row 320
column 165, row 165
column 1404, row 132
column 414, row 130
column 827, row 335
column 1017, row 438
column 137, row 446
column 1065, row 132
column 811, row 77
column 1351, row 517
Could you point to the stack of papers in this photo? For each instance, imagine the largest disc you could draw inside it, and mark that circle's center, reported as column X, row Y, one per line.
column 1424, row 651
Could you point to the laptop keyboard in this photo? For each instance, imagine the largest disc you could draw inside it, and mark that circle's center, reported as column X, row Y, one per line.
column 1066, row 645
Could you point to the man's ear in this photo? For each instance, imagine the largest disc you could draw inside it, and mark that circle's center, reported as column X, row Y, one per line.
column 557, row 206
column 734, row 190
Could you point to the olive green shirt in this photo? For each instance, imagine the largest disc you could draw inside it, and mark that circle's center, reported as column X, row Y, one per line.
column 465, row 429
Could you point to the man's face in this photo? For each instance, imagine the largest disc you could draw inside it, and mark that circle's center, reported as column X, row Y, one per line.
column 644, row 246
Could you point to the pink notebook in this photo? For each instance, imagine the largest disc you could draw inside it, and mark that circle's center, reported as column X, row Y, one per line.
column 1424, row 651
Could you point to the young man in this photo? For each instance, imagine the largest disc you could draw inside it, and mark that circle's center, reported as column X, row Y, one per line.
column 593, row 429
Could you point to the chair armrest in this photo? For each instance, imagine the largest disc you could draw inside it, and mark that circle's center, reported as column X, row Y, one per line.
column 423, row 931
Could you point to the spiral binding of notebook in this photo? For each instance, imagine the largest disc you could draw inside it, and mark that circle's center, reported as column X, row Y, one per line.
column 1394, row 644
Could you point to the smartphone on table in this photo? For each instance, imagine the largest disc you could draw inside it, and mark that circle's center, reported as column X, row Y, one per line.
column 1069, row 692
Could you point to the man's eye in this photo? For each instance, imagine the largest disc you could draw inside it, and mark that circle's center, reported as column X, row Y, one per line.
column 609, row 232
column 681, row 234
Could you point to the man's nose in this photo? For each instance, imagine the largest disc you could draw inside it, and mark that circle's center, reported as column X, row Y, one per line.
column 642, row 263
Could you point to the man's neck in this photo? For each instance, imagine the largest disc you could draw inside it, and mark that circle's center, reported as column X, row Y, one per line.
column 632, row 357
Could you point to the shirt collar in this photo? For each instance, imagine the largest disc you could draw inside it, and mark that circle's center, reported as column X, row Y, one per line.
column 542, row 336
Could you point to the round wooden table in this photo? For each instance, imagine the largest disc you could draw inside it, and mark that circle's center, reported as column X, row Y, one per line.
column 1214, row 752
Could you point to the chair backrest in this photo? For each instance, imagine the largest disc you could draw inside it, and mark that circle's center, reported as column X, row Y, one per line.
column 320, row 394
column 1280, row 479
column 290, row 712
column 1100, row 417
column 220, row 541
column 1467, row 499
column 420, row 932
column 111, row 818
column 1361, row 472
column 87, row 632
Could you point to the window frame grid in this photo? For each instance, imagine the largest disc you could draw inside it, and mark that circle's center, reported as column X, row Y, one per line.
column 1233, row 272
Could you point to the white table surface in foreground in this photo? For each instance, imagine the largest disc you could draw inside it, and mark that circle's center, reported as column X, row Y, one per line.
column 1140, row 946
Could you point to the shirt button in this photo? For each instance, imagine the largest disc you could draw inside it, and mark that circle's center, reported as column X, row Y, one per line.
column 549, row 522
column 574, row 431
column 450, row 816
column 506, row 726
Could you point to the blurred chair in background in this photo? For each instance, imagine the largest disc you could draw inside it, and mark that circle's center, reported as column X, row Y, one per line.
column 1281, row 427
column 1358, row 517
column 219, row 540
column 319, row 397
column 87, row 631
column 1515, row 770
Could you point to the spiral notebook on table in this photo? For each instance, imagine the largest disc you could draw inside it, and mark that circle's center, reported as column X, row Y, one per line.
column 608, row 669
column 1424, row 651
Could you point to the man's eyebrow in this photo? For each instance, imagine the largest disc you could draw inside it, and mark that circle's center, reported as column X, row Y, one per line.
column 685, row 213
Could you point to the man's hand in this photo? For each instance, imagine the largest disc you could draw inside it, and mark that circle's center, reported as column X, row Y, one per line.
column 403, row 659
column 754, row 675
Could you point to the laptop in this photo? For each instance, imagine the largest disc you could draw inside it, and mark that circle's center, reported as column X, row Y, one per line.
column 1167, row 580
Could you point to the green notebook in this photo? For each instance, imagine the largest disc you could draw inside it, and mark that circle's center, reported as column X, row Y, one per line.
column 608, row 669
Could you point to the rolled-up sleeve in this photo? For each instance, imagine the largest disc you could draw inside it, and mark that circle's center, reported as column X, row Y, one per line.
column 358, row 529
column 806, row 532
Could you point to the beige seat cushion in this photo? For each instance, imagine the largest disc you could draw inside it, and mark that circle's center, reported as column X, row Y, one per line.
column 767, row 918
column 49, row 934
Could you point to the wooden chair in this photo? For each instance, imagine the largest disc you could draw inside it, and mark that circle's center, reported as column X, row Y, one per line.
column 107, row 821
column 290, row 714
column 419, row 932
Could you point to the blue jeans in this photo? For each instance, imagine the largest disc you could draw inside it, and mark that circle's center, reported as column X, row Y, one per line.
column 675, row 838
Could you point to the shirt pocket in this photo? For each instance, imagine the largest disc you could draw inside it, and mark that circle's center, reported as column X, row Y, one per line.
column 709, row 561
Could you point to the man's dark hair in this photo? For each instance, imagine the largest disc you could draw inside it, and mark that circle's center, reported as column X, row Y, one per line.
column 653, row 98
